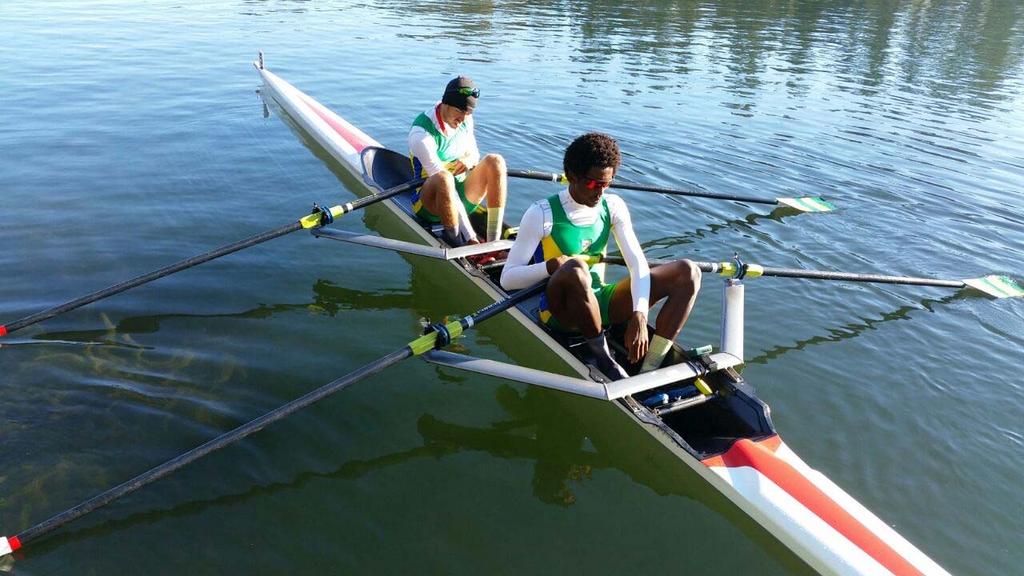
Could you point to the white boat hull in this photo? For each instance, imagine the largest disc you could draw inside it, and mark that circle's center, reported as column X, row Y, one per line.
column 817, row 520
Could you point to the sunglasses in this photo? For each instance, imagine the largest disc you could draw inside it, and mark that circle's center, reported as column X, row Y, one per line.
column 593, row 184
column 474, row 92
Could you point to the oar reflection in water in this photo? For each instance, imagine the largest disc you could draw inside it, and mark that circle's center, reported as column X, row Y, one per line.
column 329, row 299
column 439, row 336
column 853, row 330
column 321, row 216
column 748, row 223
column 569, row 440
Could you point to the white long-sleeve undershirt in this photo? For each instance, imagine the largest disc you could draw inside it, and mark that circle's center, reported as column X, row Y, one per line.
column 536, row 224
column 424, row 147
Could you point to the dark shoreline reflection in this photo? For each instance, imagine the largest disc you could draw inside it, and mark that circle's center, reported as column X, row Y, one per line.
column 948, row 50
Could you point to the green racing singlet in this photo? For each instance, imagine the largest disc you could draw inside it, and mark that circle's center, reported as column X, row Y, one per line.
column 445, row 155
column 569, row 239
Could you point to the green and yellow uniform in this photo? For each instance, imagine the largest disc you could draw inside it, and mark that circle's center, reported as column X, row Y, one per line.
column 568, row 239
column 452, row 144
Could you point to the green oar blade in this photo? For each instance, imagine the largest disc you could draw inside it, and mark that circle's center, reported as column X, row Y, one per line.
column 808, row 204
column 997, row 286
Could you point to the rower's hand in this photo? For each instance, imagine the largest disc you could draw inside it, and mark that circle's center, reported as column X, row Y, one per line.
column 557, row 262
column 636, row 337
column 456, row 167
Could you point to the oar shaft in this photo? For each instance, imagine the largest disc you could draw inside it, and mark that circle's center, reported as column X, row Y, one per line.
column 535, row 175
column 728, row 269
column 851, row 277
column 414, row 348
column 693, row 193
column 217, row 443
column 552, row 177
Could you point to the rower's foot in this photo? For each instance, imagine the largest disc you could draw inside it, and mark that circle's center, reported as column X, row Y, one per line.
column 603, row 357
column 610, row 368
column 657, row 351
column 453, row 240
column 481, row 260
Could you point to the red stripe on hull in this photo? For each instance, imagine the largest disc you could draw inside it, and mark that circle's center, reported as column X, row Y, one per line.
column 771, row 443
column 341, row 130
column 760, row 456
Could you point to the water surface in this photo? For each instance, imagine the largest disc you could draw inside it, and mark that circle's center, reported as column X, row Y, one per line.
column 134, row 136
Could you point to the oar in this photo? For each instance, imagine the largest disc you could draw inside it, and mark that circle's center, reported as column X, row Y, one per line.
column 319, row 217
column 803, row 203
column 441, row 335
column 994, row 284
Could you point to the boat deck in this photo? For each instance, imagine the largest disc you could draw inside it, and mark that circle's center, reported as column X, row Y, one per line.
column 704, row 429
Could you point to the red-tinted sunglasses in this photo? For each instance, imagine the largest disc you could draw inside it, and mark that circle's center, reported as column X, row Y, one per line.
column 593, row 184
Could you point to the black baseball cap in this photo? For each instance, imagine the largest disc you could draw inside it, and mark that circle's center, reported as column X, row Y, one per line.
column 461, row 93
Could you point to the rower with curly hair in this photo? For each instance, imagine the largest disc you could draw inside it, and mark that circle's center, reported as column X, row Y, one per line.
column 564, row 236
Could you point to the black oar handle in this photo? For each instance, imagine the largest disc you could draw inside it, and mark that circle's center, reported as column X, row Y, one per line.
column 383, row 195
column 552, row 177
column 502, row 305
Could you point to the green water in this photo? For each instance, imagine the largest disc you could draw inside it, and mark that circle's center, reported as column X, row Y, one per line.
column 134, row 136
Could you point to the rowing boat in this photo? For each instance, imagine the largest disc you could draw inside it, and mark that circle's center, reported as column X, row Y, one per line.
column 697, row 405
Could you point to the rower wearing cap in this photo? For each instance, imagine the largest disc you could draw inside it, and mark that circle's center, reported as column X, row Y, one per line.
column 563, row 237
column 444, row 151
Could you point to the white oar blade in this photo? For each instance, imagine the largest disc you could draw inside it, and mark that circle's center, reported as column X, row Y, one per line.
column 8, row 545
column 997, row 286
column 808, row 204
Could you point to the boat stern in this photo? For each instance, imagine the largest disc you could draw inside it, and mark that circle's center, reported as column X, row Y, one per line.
column 823, row 524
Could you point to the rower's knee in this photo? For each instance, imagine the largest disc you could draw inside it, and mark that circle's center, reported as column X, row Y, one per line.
column 494, row 162
column 443, row 184
column 578, row 268
column 443, row 180
column 574, row 273
column 689, row 275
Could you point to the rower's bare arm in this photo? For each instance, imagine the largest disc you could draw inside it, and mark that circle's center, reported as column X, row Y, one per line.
column 518, row 272
column 636, row 338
